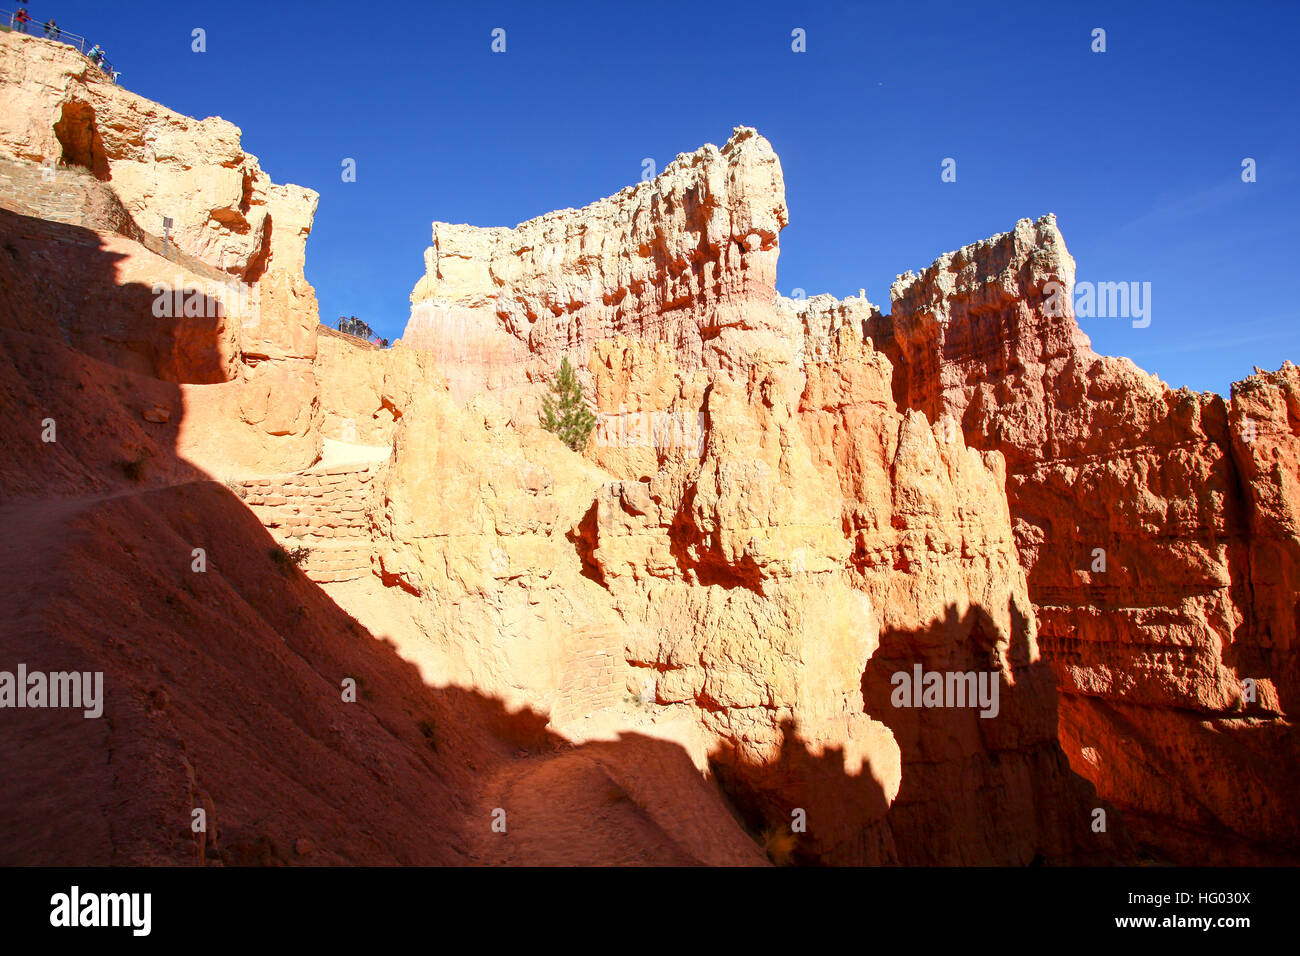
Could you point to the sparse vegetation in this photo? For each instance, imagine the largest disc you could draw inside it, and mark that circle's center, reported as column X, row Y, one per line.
column 236, row 488
column 564, row 412
column 642, row 698
column 287, row 558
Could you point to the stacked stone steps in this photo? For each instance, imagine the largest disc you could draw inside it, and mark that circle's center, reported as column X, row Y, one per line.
column 323, row 510
column 331, row 562
column 592, row 678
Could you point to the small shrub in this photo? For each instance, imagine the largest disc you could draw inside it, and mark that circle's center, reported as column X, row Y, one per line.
column 287, row 558
column 641, row 698
column 280, row 557
column 236, row 488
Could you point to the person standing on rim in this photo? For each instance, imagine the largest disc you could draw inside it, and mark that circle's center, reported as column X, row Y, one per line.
column 22, row 17
column 52, row 31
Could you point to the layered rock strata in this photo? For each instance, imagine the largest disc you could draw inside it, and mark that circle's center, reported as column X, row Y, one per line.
column 687, row 258
column 1142, row 516
column 677, row 646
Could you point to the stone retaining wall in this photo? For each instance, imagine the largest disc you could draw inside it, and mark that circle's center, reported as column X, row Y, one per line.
column 323, row 511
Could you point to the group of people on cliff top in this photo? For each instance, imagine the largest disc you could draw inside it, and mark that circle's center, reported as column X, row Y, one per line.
column 351, row 325
column 96, row 55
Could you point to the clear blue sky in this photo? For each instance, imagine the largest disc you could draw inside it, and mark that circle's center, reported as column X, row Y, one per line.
column 1137, row 150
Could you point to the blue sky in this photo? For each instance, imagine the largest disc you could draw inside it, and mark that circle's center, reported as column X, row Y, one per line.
column 1137, row 150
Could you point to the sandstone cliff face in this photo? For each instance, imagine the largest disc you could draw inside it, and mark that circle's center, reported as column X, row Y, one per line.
column 364, row 390
column 56, row 107
column 1141, row 517
column 61, row 116
column 1126, row 524
column 654, row 651
column 219, row 305
column 223, row 663
column 778, row 540
column 688, row 259
column 1265, row 426
column 777, row 574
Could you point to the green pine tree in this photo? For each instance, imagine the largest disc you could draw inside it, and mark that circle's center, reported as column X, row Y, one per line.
column 564, row 412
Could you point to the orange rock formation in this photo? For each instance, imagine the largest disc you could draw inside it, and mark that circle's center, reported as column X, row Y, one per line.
column 665, row 649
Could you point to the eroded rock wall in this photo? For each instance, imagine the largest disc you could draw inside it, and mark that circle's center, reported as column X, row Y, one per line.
column 780, row 539
column 61, row 116
column 785, row 505
column 778, row 571
column 55, row 108
column 216, row 302
column 1142, row 514
column 687, row 258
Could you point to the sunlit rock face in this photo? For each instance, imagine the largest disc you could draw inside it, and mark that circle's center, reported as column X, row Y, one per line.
column 1126, row 515
column 687, row 258
column 692, row 632
column 778, row 538
column 213, row 268
column 1156, row 527
column 778, row 574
